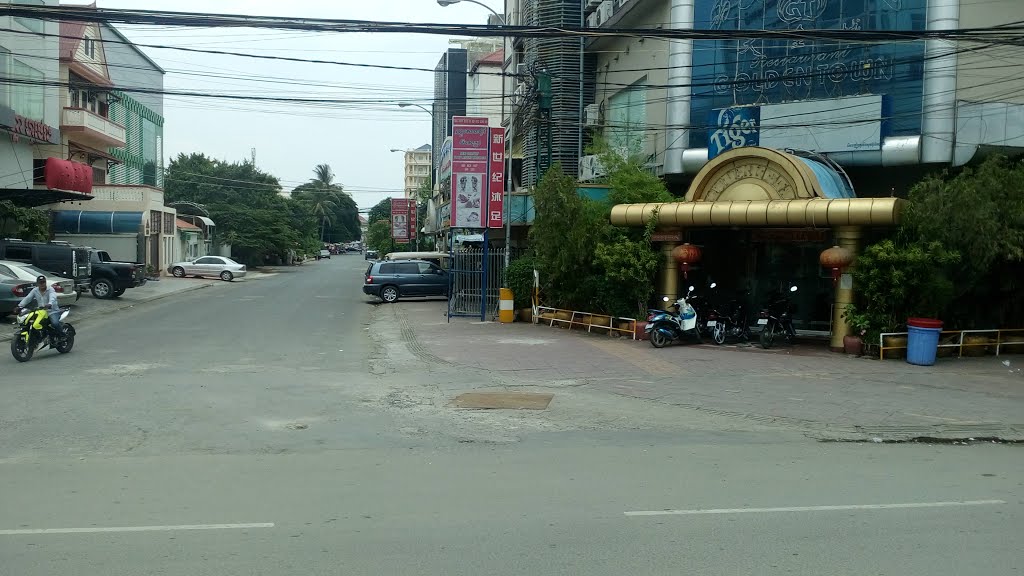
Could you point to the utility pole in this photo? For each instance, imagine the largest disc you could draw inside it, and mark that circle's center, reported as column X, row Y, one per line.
column 254, row 157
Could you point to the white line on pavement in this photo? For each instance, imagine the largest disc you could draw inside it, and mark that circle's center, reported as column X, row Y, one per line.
column 814, row 508
column 97, row 530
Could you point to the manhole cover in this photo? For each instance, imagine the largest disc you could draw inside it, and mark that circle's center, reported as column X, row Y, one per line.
column 503, row 401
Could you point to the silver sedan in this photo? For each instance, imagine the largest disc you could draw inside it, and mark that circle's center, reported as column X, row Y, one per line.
column 219, row 266
column 64, row 288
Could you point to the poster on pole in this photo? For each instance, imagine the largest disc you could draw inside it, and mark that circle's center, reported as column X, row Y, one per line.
column 400, row 219
column 496, row 191
column 413, row 235
column 470, row 168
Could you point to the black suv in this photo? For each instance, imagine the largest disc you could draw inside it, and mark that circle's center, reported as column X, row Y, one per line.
column 396, row 279
column 61, row 259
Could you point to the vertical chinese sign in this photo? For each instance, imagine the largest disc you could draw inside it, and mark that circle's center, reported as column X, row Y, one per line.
column 470, row 167
column 413, row 233
column 496, row 196
column 400, row 219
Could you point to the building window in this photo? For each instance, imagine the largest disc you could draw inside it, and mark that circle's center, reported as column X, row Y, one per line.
column 39, row 171
column 89, row 47
column 154, row 222
column 27, row 99
column 33, row 24
column 150, row 153
column 168, row 223
column 5, row 71
column 99, row 176
column 627, row 119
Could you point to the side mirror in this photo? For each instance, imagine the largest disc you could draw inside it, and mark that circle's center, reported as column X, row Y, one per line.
column 793, row 289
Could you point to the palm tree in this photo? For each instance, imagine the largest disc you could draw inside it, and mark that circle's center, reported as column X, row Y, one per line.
column 324, row 176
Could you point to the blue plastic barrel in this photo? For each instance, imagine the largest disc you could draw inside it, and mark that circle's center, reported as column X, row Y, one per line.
column 922, row 340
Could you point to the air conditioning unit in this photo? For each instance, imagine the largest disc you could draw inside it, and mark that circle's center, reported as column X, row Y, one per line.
column 590, row 168
column 522, row 69
column 604, row 11
column 519, row 94
column 592, row 115
column 621, row 3
column 594, row 3
column 592, row 20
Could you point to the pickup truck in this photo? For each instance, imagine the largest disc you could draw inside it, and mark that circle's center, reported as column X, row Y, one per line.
column 110, row 279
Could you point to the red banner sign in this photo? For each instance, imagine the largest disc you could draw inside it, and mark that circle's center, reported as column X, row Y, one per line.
column 496, row 196
column 413, row 209
column 400, row 219
column 470, row 162
column 32, row 129
column 68, row 175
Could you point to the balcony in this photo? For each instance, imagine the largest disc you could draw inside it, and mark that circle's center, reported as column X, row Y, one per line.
column 89, row 129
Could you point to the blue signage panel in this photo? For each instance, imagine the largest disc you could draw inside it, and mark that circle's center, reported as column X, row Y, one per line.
column 733, row 128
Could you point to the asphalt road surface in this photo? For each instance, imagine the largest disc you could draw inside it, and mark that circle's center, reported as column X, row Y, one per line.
column 282, row 426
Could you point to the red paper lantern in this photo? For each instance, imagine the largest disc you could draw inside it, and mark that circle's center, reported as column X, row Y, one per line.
column 686, row 255
column 836, row 258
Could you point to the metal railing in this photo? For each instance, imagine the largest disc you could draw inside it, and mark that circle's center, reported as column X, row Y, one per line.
column 960, row 344
column 585, row 319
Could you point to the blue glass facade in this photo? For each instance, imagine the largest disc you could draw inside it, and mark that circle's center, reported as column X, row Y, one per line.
column 729, row 73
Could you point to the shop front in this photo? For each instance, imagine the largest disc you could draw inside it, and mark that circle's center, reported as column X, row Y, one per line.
column 760, row 219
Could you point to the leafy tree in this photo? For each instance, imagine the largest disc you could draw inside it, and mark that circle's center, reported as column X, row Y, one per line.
column 25, row 223
column 260, row 224
column 978, row 214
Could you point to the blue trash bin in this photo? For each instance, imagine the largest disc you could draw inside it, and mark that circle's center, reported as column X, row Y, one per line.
column 922, row 340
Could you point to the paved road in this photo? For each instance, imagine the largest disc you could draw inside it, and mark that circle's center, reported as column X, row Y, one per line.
column 285, row 426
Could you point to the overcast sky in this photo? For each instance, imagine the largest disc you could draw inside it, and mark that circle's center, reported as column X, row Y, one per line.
column 291, row 140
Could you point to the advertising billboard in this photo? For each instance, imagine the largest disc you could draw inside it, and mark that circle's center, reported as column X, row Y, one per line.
column 496, row 192
column 400, row 219
column 470, row 167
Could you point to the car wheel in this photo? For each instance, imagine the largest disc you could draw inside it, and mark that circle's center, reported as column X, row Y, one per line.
column 178, row 272
column 389, row 294
column 227, row 276
column 103, row 289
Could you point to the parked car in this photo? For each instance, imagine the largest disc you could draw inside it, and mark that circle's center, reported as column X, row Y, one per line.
column 324, row 254
column 12, row 290
column 220, row 266
column 111, row 279
column 371, row 255
column 19, row 271
column 396, row 279
column 56, row 258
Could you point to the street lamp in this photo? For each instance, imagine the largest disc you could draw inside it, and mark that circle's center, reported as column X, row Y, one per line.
column 447, row 3
column 407, row 104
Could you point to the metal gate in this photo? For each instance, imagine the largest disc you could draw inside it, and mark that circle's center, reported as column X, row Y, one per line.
column 476, row 275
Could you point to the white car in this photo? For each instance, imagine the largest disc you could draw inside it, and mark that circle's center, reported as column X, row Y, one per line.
column 324, row 254
column 64, row 288
column 219, row 266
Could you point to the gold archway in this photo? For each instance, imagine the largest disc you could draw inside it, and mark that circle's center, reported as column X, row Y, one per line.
column 762, row 188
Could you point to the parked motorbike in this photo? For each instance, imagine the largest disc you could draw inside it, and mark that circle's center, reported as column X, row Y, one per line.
column 777, row 319
column 665, row 326
column 729, row 322
column 35, row 333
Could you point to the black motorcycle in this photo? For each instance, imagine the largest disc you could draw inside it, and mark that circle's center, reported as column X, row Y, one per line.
column 729, row 322
column 35, row 332
column 777, row 319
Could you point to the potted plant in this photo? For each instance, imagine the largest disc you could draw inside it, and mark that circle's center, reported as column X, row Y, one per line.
column 853, row 343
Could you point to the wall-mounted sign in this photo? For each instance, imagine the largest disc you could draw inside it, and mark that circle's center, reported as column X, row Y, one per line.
column 831, row 125
column 444, row 160
column 26, row 127
column 667, row 236
column 788, row 236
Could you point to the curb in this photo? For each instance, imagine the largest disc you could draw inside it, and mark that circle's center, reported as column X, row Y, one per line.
column 4, row 337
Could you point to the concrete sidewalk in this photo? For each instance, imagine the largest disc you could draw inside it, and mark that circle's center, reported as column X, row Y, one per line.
column 831, row 395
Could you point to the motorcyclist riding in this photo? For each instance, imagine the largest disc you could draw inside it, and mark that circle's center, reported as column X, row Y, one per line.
column 46, row 299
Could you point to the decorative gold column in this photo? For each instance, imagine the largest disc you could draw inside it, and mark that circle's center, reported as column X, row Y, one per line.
column 846, row 237
column 669, row 281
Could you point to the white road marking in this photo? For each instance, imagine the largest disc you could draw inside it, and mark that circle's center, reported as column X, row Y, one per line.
column 100, row 530
column 814, row 508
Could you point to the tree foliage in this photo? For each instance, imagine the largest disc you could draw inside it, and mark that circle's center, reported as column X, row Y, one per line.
column 978, row 214
column 25, row 223
column 336, row 211
column 251, row 215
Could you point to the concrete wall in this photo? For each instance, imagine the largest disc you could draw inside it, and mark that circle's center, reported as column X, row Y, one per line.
column 618, row 57
column 15, row 163
column 483, row 94
column 121, row 247
column 995, row 73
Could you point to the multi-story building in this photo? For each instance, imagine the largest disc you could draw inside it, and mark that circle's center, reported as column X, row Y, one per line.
column 29, row 111
column 758, row 133
column 484, row 87
column 111, row 122
column 417, row 170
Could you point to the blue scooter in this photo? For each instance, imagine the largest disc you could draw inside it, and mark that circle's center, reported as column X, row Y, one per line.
column 665, row 327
